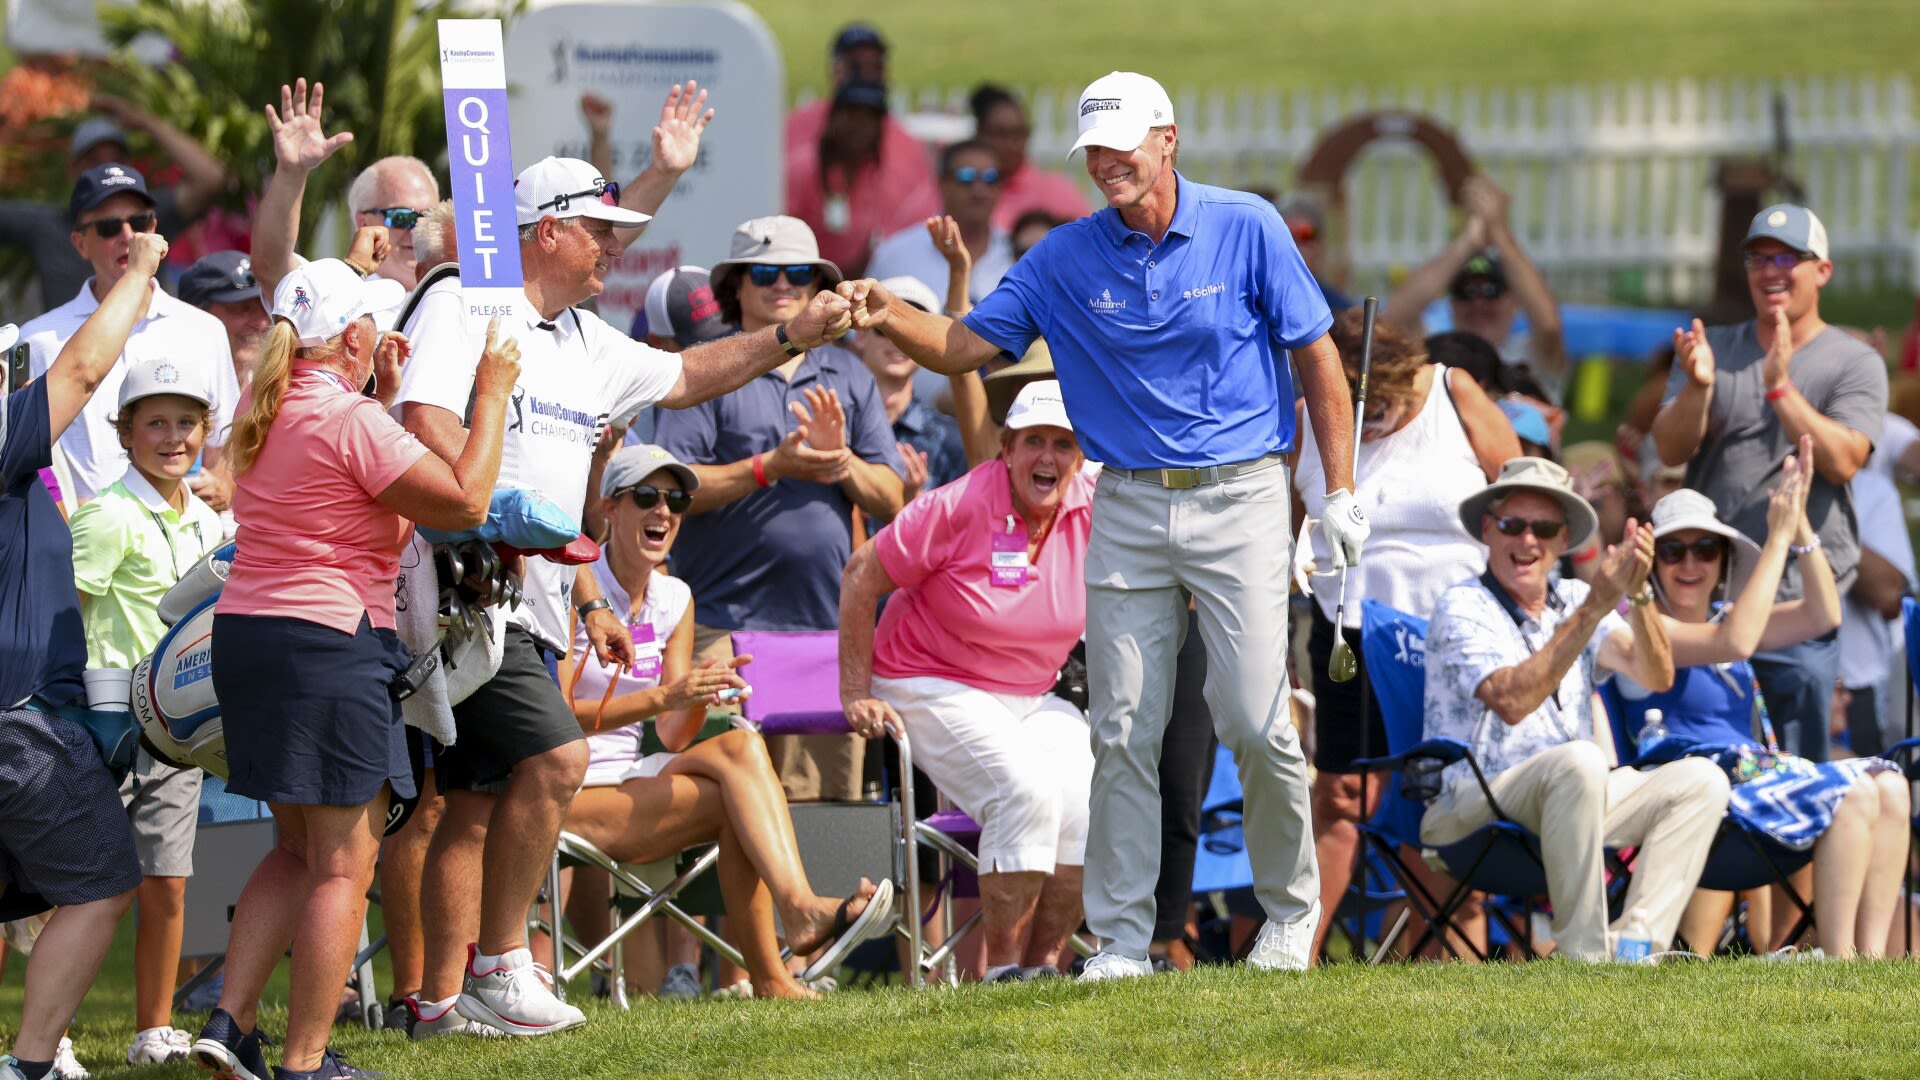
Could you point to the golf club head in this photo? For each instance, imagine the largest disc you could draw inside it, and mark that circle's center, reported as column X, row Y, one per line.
column 1341, row 666
column 448, row 565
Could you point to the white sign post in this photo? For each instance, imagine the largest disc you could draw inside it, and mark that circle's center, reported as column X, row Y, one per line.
column 630, row 54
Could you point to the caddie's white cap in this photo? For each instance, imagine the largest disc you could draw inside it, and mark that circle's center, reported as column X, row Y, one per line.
column 321, row 297
column 913, row 291
column 162, row 376
column 1118, row 109
column 1038, row 404
column 568, row 188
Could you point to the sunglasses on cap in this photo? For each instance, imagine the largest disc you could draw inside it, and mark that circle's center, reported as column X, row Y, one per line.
column 1509, row 525
column 1706, row 549
column 107, row 228
column 397, row 217
column 799, row 275
column 606, row 191
column 1779, row 260
column 1479, row 289
column 646, row 497
column 967, row 174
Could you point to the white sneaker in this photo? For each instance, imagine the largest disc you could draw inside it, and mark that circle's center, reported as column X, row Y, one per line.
column 1285, row 946
column 157, row 1046
column 65, row 1065
column 515, row 995
column 1104, row 966
column 681, row 984
column 425, row 1019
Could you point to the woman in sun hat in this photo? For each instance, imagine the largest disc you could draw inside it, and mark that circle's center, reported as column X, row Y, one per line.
column 1716, row 589
column 327, row 487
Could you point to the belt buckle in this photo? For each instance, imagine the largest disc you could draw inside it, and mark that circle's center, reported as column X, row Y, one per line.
column 1177, row 479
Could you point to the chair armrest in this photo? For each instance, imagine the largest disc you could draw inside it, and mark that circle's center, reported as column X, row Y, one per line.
column 1445, row 750
column 1909, row 749
column 805, row 723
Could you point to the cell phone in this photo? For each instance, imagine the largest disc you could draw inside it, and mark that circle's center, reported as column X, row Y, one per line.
column 19, row 367
column 731, row 693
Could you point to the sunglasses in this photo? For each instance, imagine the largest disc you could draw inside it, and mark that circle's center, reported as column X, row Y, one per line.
column 799, row 276
column 1705, row 549
column 107, row 228
column 1779, row 260
column 646, row 497
column 1480, row 289
column 397, row 217
column 967, row 174
column 606, row 191
column 1509, row 525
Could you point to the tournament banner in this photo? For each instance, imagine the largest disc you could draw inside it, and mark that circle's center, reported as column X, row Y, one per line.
column 473, row 75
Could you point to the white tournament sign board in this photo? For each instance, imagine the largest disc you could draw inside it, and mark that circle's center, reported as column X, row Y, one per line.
column 631, row 54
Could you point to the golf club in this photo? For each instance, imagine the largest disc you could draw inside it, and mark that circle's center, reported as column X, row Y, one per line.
column 1341, row 666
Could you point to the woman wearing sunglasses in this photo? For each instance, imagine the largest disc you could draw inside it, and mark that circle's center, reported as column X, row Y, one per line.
column 640, row 807
column 1716, row 589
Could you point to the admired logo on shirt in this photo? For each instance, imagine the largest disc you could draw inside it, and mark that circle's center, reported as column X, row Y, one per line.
column 1204, row 291
column 1099, row 104
column 1105, row 304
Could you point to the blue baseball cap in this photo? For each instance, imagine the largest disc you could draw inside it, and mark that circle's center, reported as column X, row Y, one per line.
column 1527, row 422
column 1795, row 226
column 854, row 35
column 103, row 182
column 93, row 131
column 223, row 277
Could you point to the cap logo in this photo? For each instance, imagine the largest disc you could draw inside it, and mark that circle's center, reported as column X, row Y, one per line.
column 1102, row 104
column 1777, row 218
column 115, row 170
column 700, row 303
column 301, row 301
column 1157, row 114
column 166, row 374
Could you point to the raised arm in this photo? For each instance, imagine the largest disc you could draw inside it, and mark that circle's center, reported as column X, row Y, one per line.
column 1489, row 431
column 1838, row 450
column 862, row 584
column 299, row 147
column 676, row 146
column 935, row 342
column 718, row 367
column 1547, row 349
column 1681, row 424
column 202, row 176
column 969, row 392
column 1643, row 652
column 1428, row 281
column 92, row 351
column 454, row 497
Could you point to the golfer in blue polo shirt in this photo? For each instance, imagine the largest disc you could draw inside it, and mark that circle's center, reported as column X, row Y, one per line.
column 1168, row 314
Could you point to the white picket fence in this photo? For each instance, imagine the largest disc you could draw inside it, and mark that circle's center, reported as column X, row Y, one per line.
column 1611, row 185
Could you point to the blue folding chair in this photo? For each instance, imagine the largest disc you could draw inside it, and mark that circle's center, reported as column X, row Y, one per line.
column 1501, row 857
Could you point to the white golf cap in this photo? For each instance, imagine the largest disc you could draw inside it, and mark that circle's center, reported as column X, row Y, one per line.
column 9, row 334
column 913, row 291
column 569, row 188
column 152, row 378
column 1038, row 405
column 321, row 297
column 1118, row 109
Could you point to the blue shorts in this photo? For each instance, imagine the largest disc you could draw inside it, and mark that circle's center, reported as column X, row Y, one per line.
column 309, row 718
column 64, row 840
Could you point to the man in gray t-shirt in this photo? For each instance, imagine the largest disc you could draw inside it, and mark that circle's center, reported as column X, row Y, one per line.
column 1739, row 400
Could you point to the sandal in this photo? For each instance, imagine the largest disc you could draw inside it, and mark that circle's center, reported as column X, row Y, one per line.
column 847, row 934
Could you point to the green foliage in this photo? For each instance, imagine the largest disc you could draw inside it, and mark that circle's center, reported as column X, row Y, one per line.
column 379, row 61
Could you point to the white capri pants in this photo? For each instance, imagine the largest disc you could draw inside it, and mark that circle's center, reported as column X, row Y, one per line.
column 1020, row 765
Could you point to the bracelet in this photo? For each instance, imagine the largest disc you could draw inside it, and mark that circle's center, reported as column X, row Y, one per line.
column 591, row 606
column 1643, row 597
column 760, row 472
column 1779, row 392
column 1587, row 555
column 786, row 344
column 1805, row 549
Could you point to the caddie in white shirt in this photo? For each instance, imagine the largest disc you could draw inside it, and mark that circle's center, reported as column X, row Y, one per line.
column 519, row 755
column 109, row 205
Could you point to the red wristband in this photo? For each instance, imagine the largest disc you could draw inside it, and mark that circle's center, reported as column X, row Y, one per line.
column 1779, row 392
column 1588, row 555
column 760, row 472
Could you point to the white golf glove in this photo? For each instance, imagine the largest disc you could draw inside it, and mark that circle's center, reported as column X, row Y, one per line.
column 1345, row 527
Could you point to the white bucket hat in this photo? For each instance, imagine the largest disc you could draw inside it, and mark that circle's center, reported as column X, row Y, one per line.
column 1537, row 475
column 1688, row 509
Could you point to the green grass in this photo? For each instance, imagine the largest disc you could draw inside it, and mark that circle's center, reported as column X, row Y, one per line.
column 1383, row 43
column 1721, row 1019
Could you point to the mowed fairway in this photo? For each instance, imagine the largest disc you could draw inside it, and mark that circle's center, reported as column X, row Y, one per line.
column 1383, row 43
column 1744, row 1018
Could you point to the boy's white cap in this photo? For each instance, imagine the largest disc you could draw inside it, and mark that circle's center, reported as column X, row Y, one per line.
column 1038, row 404
column 158, row 376
column 1118, row 109
column 322, row 297
column 915, row 292
column 568, row 188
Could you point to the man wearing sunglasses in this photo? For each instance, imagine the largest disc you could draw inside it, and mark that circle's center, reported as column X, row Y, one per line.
column 109, row 207
column 1737, row 403
column 520, row 754
column 1489, row 280
column 1512, row 658
column 970, row 185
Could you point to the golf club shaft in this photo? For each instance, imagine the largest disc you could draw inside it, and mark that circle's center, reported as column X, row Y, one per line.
column 1369, row 312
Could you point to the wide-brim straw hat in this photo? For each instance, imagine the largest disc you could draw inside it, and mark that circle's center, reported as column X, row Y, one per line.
column 1537, row 475
column 1005, row 385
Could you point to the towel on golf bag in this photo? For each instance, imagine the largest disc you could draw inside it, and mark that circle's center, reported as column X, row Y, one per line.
column 416, row 603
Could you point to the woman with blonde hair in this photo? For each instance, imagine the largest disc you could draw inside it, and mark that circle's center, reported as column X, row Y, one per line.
column 327, row 488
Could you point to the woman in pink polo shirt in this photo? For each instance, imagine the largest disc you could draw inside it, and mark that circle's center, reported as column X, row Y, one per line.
column 991, row 597
column 327, row 488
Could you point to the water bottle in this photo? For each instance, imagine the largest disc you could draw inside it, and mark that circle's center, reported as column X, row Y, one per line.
column 1652, row 733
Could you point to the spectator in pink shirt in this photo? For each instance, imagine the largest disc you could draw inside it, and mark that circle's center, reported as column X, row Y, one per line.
column 327, row 487
column 991, row 597
column 856, row 185
column 1001, row 122
column 859, row 52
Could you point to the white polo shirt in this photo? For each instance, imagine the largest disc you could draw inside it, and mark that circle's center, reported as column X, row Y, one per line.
column 176, row 331
column 575, row 373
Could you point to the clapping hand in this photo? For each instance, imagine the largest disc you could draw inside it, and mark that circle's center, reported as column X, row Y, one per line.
column 299, row 144
column 1787, row 506
column 1694, row 356
column 916, row 477
column 1624, row 568
column 822, row 417
column 949, row 243
column 1773, row 369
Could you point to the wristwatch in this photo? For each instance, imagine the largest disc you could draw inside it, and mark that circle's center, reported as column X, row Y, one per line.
column 786, row 343
column 1643, row 597
column 591, row 606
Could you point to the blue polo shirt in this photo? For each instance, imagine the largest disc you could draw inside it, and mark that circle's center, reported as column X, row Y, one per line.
column 42, row 647
column 1168, row 354
column 772, row 560
column 936, row 435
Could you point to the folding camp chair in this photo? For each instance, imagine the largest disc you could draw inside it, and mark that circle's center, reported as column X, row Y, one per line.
column 1501, row 857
